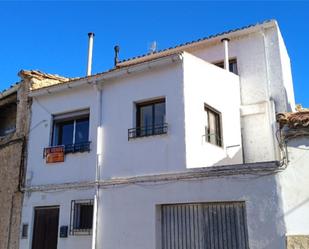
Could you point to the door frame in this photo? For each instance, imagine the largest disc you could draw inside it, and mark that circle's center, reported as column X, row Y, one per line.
column 31, row 230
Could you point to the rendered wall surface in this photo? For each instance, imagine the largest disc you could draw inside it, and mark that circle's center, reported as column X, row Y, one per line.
column 265, row 79
column 77, row 166
column 295, row 185
column 128, row 214
column 146, row 155
column 207, row 84
column 63, row 200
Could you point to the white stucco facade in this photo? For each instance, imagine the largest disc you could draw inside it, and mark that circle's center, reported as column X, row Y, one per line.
column 77, row 167
column 134, row 177
column 294, row 184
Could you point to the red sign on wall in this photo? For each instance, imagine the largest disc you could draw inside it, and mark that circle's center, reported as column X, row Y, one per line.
column 54, row 154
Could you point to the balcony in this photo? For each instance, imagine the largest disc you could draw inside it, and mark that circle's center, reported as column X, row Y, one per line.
column 68, row 148
column 147, row 131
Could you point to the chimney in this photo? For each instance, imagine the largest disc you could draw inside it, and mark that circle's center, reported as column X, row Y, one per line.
column 116, row 59
column 90, row 48
column 226, row 53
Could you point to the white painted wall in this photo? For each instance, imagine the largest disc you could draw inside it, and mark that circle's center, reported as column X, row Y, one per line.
column 265, row 79
column 77, row 166
column 294, row 184
column 127, row 214
column 286, row 74
column 147, row 155
column 63, row 200
column 249, row 52
column 205, row 83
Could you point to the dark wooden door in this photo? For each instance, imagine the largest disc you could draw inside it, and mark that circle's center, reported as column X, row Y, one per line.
column 45, row 229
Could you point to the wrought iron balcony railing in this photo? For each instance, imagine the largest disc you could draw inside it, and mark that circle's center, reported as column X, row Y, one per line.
column 146, row 131
column 78, row 147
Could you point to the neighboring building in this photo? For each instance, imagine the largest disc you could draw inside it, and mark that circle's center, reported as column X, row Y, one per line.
column 294, row 180
column 14, row 114
column 158, row 150
column 15, row 107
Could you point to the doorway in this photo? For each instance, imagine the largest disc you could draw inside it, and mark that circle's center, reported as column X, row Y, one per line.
column 45, row 228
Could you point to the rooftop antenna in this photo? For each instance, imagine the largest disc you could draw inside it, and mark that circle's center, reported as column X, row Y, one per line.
column 153, row 47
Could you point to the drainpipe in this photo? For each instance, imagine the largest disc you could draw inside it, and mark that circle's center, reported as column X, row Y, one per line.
column 99, row 163
column 90, row 48
column 226, row 53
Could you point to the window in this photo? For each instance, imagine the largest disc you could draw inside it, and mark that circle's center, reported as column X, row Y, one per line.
column 8, row 110
column 204, row 225
column 213, row 126
column 150, row 119
column 232, row 65
column 72, row 131
column 81, row 217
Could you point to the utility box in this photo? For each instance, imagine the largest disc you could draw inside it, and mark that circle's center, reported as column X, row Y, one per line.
column 63, row 231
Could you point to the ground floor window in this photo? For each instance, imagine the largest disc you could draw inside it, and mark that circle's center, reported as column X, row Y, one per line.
column 204, row 225
column 81, row 217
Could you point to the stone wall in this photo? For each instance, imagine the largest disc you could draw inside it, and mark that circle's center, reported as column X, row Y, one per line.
column 297, row 242
column 11, row 198
column 12, row 158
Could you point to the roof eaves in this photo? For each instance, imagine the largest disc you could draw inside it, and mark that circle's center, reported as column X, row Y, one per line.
column 12, row 89
column 99, row 76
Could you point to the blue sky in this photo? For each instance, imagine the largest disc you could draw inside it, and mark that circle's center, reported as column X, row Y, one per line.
column 52, row 36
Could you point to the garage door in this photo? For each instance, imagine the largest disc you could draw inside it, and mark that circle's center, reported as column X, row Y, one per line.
column 204, row 226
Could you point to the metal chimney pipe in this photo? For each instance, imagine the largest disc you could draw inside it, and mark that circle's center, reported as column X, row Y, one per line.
column 116, row 59
column 90, row 48
column 226, row 53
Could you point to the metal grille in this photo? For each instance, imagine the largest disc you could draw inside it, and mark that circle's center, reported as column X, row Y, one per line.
column 77, row 147
column 81, row 217
column 204, row 226
column 147, row 131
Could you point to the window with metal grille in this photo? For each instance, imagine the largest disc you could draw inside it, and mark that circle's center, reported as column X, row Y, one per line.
column 213, row 128
column 150, row 119
column 232, row 65
column 81, row 217
column 204, row 225
column 72, row 131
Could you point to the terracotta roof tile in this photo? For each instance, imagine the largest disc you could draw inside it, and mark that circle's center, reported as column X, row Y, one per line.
column 294, row 119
